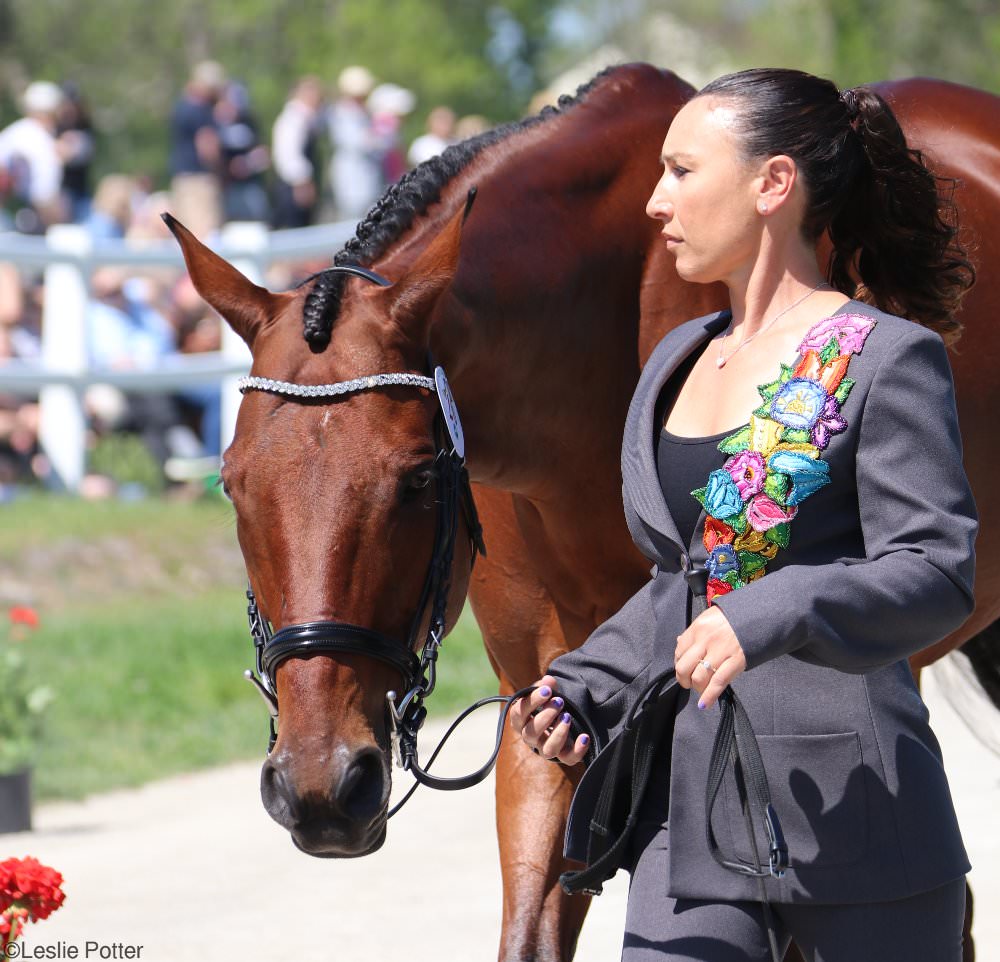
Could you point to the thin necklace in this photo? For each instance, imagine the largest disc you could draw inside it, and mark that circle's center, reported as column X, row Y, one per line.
column 721, row 360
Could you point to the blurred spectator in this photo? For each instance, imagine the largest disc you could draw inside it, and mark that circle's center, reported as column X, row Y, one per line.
column 356, row 166
column 294, row 145
column 20, row 313
column 127, row 331
column 30, row 159
column 440, row 135
column 244, row 157
column 471, row 125
column 196, row 153
column 147, row 225
column 388, row 105
column 197, row 329
column 75, row 135
column 111, row 210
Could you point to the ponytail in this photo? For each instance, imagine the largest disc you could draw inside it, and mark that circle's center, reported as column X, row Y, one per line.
column 897, row 232
column 894, row 236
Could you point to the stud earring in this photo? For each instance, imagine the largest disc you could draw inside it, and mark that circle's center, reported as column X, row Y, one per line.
column 763, row 208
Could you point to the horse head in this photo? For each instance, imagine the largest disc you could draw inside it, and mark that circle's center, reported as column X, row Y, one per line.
column 340, row 505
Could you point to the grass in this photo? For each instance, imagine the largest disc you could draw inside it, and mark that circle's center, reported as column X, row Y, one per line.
column 143, row 636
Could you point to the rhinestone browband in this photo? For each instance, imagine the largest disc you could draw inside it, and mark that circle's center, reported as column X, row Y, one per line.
column 333, row 390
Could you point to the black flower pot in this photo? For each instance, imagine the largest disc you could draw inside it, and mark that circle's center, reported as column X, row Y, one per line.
column 15, row 801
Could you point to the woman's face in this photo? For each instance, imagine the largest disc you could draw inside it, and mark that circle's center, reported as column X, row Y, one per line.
column 707, row 195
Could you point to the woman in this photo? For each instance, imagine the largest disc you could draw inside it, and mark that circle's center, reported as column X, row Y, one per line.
column 835, row 522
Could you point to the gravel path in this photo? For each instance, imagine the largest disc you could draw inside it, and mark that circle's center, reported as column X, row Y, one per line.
column 191, row 868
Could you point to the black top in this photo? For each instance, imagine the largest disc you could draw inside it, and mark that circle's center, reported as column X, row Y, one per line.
column 684, row 463
column 188, row 118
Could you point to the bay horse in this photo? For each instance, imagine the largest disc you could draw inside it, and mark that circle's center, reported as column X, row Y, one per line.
column 542, row 305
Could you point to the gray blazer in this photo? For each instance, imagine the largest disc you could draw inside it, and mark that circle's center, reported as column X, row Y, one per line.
column 880, row 564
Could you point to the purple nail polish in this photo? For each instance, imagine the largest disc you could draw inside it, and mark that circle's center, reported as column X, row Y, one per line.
column 557, row 702
column 565, row 718
column 702, row 705
column 584, row 739
column 545, row 691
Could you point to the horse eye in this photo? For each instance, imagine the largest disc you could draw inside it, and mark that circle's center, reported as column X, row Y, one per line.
column 417, row 483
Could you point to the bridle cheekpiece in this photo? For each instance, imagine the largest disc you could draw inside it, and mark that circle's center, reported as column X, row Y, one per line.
column 418, row 674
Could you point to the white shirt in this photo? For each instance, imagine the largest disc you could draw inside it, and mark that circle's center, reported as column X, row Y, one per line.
column 29, row 141
column 427, row 146
column 289, row 138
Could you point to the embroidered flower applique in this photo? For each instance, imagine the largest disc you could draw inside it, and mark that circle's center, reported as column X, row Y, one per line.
column 774, row 461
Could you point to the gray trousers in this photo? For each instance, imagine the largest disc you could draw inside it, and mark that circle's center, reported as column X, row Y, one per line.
column 925, row 927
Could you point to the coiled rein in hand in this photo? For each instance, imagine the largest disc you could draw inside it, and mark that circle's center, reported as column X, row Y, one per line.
column 421, row 774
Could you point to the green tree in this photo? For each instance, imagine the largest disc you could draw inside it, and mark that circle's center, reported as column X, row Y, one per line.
column 131, row 59
column 850, row 41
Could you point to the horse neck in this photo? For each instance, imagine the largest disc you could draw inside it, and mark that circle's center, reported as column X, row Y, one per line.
column 539, row 331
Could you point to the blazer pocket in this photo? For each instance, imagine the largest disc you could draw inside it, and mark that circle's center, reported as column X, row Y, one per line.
column 818, row 789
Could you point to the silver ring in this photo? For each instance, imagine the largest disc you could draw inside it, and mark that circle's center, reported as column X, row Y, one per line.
column 707, row 665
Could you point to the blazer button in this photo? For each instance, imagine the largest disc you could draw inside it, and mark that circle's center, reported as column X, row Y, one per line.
column 684, row 561
column 654, row 571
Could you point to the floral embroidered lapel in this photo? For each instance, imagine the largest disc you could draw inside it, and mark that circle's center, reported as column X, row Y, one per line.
column 774, row 462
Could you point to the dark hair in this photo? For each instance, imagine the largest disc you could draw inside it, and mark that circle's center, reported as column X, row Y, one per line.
column 893, row 232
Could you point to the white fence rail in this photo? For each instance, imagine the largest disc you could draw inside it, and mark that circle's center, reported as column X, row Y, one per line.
column 63, row 373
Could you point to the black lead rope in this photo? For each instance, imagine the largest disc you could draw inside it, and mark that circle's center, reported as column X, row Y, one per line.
column 736, row 744
column 422, row 775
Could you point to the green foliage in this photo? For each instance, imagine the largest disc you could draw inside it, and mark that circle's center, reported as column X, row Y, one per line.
column 850, row 41
column 22, row 703
column 132, row 60
column 124, row 458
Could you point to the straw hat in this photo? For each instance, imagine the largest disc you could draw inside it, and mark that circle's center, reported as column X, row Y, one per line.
column 355, row 81
column 209, row 74
column 42, row 97
column 391, row 99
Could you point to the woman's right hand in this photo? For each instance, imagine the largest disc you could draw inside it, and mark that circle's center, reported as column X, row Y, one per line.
column 543, row 725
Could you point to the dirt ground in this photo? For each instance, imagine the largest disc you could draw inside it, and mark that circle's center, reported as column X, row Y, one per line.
column 191, row 868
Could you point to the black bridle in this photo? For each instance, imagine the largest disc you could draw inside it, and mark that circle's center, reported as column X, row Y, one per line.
column 418, row 674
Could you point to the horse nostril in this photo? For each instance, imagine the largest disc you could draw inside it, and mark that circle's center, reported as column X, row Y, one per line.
column 361, row 791
column 279, row 800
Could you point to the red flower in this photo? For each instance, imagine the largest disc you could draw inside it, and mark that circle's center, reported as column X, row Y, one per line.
column 716, row 532
column 829, row 375
column 27, row 885
column 715, row 588
column 22, row 615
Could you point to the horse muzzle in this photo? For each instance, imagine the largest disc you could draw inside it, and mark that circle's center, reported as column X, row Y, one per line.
column 336, row 812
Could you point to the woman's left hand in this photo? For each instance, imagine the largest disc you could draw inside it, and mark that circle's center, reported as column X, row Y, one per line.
column 709, row 638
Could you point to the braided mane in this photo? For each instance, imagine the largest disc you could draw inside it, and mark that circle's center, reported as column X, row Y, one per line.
column 404, row 201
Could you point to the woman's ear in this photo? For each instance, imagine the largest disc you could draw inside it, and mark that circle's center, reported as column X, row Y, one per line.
column 776, row 183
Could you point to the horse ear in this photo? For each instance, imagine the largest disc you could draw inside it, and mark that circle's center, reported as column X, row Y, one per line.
column 418, row 290
column 245, row 306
